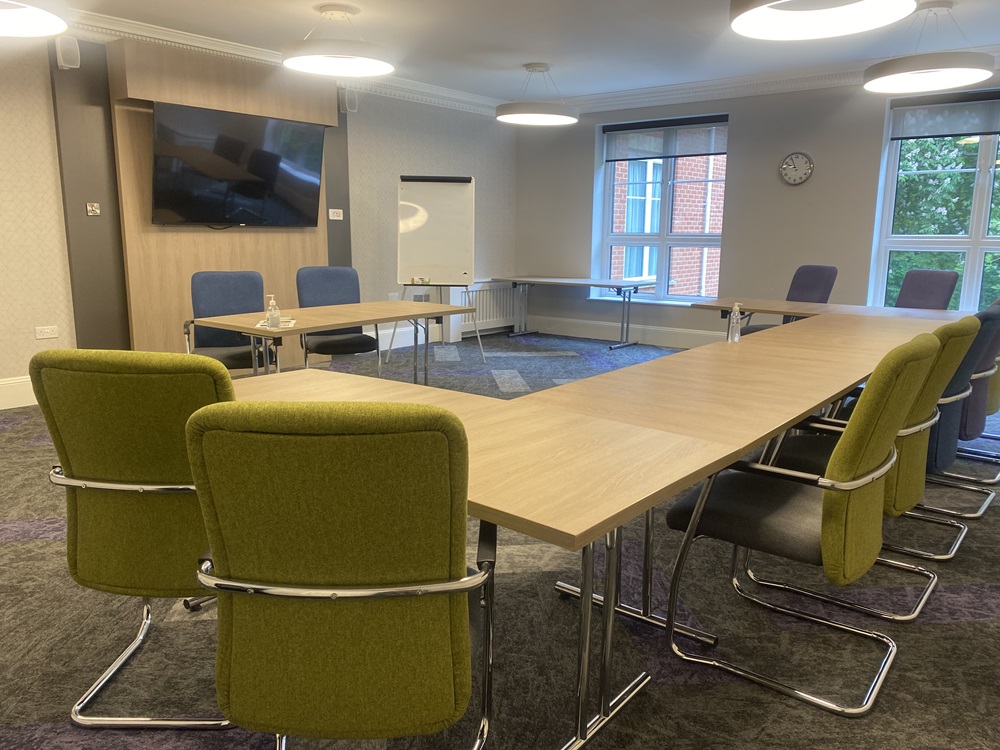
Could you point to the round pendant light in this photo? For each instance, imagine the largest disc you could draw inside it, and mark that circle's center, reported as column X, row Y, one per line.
column 35, row 20
column 934, row 71
column 339, row 58
column 931, row 71
column 538, row 112
column 813, row 19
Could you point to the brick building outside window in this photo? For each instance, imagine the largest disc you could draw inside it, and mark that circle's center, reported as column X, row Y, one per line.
column 664, row 188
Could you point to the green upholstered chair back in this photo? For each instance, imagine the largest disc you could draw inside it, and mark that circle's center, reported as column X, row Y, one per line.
column 118, row 416
column 334, row 494
column 852, row 520
column 904, row 485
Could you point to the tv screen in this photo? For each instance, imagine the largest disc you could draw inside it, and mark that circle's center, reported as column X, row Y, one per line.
column 212, row 167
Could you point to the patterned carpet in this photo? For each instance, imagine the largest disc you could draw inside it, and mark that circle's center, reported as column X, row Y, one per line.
column 941, row 693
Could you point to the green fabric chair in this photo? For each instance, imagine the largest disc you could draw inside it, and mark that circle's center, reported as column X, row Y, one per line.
column 134, row 525
column 833, row 521
column 323, row 520
column 906, row 481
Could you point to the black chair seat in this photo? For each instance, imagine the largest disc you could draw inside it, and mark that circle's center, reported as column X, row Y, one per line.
column 760, row 513
column 341, row 343
column 746, row 330
column 233, row 357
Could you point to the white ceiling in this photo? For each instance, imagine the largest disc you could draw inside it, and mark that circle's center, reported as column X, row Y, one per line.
column 478, row 47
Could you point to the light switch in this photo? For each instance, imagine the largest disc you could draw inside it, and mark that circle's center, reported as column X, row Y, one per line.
column 93, row 209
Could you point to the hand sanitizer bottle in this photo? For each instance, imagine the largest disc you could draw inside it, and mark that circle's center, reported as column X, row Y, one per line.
column 735, row 321
column 273, row 314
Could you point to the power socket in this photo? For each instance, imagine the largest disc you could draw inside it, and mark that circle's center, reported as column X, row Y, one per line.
column 426, row 297
column 46, row 332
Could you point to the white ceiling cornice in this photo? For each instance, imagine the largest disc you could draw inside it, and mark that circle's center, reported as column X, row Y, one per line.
column 101, row 28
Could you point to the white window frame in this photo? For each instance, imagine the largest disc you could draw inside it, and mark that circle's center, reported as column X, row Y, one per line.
column 659, row 243
column 974, row 247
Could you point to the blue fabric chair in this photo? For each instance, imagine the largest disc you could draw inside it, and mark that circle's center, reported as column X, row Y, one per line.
column 319, row 286
column 216, row 293
column 809, row 284
column 943, row 449
column 927, row 289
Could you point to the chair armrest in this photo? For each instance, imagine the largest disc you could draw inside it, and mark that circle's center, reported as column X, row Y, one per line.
column 815, row 480
column 985, row 373
column 187, row 334
column 823, row 424
column 957, row 397
column 487, row 552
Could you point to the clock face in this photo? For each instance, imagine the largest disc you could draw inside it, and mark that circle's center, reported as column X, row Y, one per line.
column 796, row 168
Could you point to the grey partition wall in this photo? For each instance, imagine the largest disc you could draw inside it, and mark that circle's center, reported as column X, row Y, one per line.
column 436, row 230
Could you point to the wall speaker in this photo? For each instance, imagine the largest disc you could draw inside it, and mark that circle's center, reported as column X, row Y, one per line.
column 348, row 100
column 67, row 52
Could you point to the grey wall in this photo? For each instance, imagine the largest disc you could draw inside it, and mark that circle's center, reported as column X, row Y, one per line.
column 86, row 155
column 769, row 230
column 337, row 177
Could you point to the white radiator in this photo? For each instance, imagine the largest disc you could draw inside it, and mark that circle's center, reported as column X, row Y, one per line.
column 494, row 303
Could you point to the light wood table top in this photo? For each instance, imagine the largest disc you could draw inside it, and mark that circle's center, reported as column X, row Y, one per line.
column 743, row 393
column 555, row 475
column 809, row 309
column 332, row 317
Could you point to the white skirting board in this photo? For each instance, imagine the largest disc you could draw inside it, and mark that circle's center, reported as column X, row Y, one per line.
column 16, row 392
column 676, row 338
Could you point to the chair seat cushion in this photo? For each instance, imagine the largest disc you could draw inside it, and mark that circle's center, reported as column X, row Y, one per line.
column 769, row 515
column 233, row 357
column 343, row 343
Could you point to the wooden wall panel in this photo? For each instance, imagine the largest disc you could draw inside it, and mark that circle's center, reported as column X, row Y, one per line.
column 159, row 260
column 158, row 73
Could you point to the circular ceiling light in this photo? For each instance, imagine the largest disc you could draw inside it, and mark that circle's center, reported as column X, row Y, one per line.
column 340, row 58
column 934, row 71
column 23, row 20
column 786, row 20
column 537, row 113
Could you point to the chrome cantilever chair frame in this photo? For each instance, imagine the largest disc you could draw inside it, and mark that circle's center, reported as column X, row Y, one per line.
column 690, row 536
column 482, row 580
column 961, row 529
column 961, row 481
column 977, row 454
column 57, row 477
column 257, row 344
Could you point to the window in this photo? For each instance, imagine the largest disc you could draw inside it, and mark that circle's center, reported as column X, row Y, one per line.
column 664, row 187
column 942, row 203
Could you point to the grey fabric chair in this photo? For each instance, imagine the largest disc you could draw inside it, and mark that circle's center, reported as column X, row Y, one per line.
column 833, row 521
column 333, row 285
column 215, row 293
column 809, row 284
column 943, row 449
column 927, row 289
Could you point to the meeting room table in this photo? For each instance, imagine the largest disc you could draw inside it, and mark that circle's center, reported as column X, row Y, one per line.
column 301, row 320
column 570, row 465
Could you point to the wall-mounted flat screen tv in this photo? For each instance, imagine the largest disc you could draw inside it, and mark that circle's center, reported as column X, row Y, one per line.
column 226, row 168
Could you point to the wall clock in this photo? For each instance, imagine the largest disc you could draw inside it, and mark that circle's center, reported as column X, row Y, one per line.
column 796, row 168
